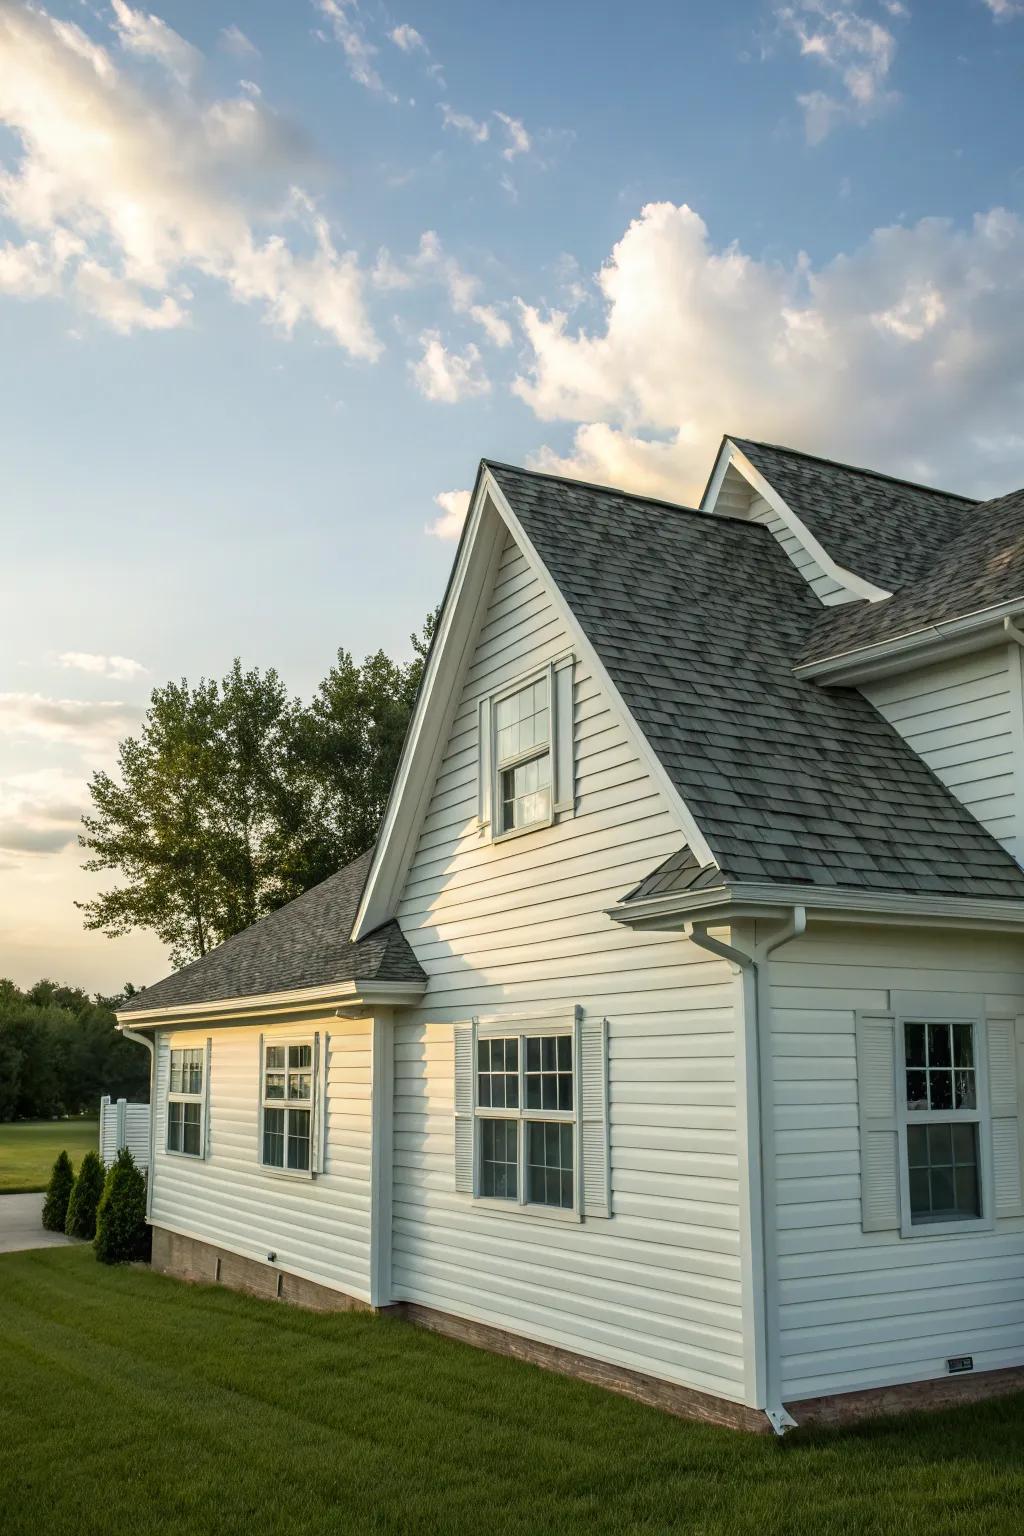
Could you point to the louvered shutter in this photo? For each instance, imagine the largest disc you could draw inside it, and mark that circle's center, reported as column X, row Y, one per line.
column 483, row 765
column 259, row 1105
column 879, row 1142
column 592, row 1044
column 207, row 1059
column 465, row 1053
column 163, row 1084
column 1005, row 1038
column 564, row 735
column 315, row 1109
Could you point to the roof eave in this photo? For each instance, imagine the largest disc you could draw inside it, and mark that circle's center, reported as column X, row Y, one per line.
column 337, row 995
column 916, row 647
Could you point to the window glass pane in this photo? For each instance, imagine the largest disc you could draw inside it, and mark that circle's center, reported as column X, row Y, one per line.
column 190, row 1141
column 300, row 1056
column 174, row 1121
column 944, row 1182
column 940, row 1090
column 526, row 793
column 963, row 1045
column 963, row 1087
column 298, row 1138
column 299, row 1085
column 940, row 1067
column 917, row 1090
column 916, row 1053
column 549, row 1164
column 521, row 721
column 499, row 1159
column 498, row 1073
column 274, row 1086
column 549, row 1073
column 275, row 1057
column 273, row 1137
column 187, row 1070
column 939, row 1046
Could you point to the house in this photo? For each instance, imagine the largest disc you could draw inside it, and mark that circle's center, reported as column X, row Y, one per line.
column 673, row 1032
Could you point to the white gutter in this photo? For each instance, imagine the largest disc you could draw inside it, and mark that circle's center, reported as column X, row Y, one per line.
column 339, row 994
column 129, row 1034
column 756, row 1013
column 837, row 903
column 866, row 658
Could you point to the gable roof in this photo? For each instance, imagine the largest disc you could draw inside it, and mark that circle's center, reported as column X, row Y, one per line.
column 698, row 621
column 303, row 944
column 980, row 570
column 875, row 525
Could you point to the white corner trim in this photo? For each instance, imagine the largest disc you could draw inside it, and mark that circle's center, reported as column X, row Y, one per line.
column 857, row 585
column 588, row 655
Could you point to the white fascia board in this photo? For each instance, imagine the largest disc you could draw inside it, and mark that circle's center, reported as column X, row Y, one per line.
column 340, row 994
column 718, row 474
column 436, row 704
column 833, row 905
column 857, row 585
column 917, row 647
column 616, row 704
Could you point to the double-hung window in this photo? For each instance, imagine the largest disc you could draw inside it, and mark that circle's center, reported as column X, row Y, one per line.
column 526, row 1119
column 286, row 1099
column 185, row 1101
column 942, row 1122
column 526, row 745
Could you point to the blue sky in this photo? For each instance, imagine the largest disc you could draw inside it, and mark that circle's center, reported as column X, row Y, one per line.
column 273, row 277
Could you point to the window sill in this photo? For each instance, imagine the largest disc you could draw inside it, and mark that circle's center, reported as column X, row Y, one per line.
column 302, row 1174
column 533, row 1212
column 514, row 832
column 192, row 1157
column 966, row 1228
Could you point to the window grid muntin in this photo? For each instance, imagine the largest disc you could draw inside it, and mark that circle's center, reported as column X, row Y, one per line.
column 286, row 1099
column 523, row 773
column 187, row 1066
column 956, row 1032
column 521, row 1115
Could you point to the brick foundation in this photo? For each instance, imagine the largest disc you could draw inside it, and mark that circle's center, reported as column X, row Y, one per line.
column 187, row 1258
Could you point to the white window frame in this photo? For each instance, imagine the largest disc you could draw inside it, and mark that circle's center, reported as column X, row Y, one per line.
column 560, row 747
column 523, row 1031
column 178, row 1097
column 270, row 1042
column 945, row 1011
column 546, row 676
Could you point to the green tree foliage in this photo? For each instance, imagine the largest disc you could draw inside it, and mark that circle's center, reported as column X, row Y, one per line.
column 58, row 1193
column 85, row 1198
column 235, row 797
column 122, row 1235
column 60, row 1051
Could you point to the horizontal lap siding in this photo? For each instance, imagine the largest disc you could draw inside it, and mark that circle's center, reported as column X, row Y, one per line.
column 318, row 1227
column 871, row 1309
column 823, row 585
column 521, row 926
column 958, row 716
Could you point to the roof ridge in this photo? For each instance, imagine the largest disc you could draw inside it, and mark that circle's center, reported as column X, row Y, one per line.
column 615, row 490
column 859, row 469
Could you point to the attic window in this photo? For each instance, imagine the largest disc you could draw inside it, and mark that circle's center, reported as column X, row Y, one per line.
column 523, row 757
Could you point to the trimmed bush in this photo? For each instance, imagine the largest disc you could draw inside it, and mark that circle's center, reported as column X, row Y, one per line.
column 122, row 1235
column 58, row 1193
column 85, row 1197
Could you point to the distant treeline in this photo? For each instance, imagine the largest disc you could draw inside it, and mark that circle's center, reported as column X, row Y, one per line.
column 60, row 1052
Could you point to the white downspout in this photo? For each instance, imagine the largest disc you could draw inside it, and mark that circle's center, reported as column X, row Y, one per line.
column 145, row 1040
column 756, row 997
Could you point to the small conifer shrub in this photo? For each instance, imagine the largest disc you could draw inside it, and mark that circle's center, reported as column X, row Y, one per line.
column 58, row 1193
column 122, row 1235
column 85, row 1198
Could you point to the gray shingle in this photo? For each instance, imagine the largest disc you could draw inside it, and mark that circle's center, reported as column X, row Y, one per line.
column 303, row 944
column 698, row 620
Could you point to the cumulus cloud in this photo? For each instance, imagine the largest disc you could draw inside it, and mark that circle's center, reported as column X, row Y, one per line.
column 433, row 264
column 123, row 191
column 858, row 49
column 408, row 39
column 454, row 505
column 91, row 727
column 904, row 354
column 519, row 140
column 463, row 123
column 448, row 376
column 120, row 668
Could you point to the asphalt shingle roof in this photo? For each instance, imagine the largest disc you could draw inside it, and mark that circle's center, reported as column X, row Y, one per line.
column 886, row 530
column 303, row 944
column 681, row 871
column 980, row 569
column 699, row 620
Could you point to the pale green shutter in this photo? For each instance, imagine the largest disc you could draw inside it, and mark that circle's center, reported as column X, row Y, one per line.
column 464, row 1138
column 315, row 1110
column 483, row 764
column 259, row 1105
column 1004, row 1040
column 592, row 1043
column 204, row 1150
column 879, row 1142
column 563, row 719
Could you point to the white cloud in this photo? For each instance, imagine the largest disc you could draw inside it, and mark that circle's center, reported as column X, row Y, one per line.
column 92, row 727
column 518, row 139
column 121, row 668
column 463, row 123
column 359, row 52
column 119, row 191
column 905, row 354
column 40, row 811
column 408, row 39
column 234, row 41
column 432, row 264
column 454, row 505
column 149, row 37
column 449, row 376
column 856, row 47
column 1005, row 10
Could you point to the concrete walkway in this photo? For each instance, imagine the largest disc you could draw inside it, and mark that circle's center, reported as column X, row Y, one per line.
column 21, row 1225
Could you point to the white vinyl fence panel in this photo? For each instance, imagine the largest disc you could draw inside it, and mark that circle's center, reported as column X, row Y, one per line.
column 124, row 1125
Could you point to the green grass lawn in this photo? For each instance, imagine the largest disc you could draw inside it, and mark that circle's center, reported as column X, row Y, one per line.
column 131, row 1403
column 28, row 1149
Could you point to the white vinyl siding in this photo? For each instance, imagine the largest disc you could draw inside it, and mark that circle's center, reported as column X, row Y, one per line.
column 824, row 586
column 318, row 1227
column 862, row 1308
column 959, row 717
column 520, row 927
